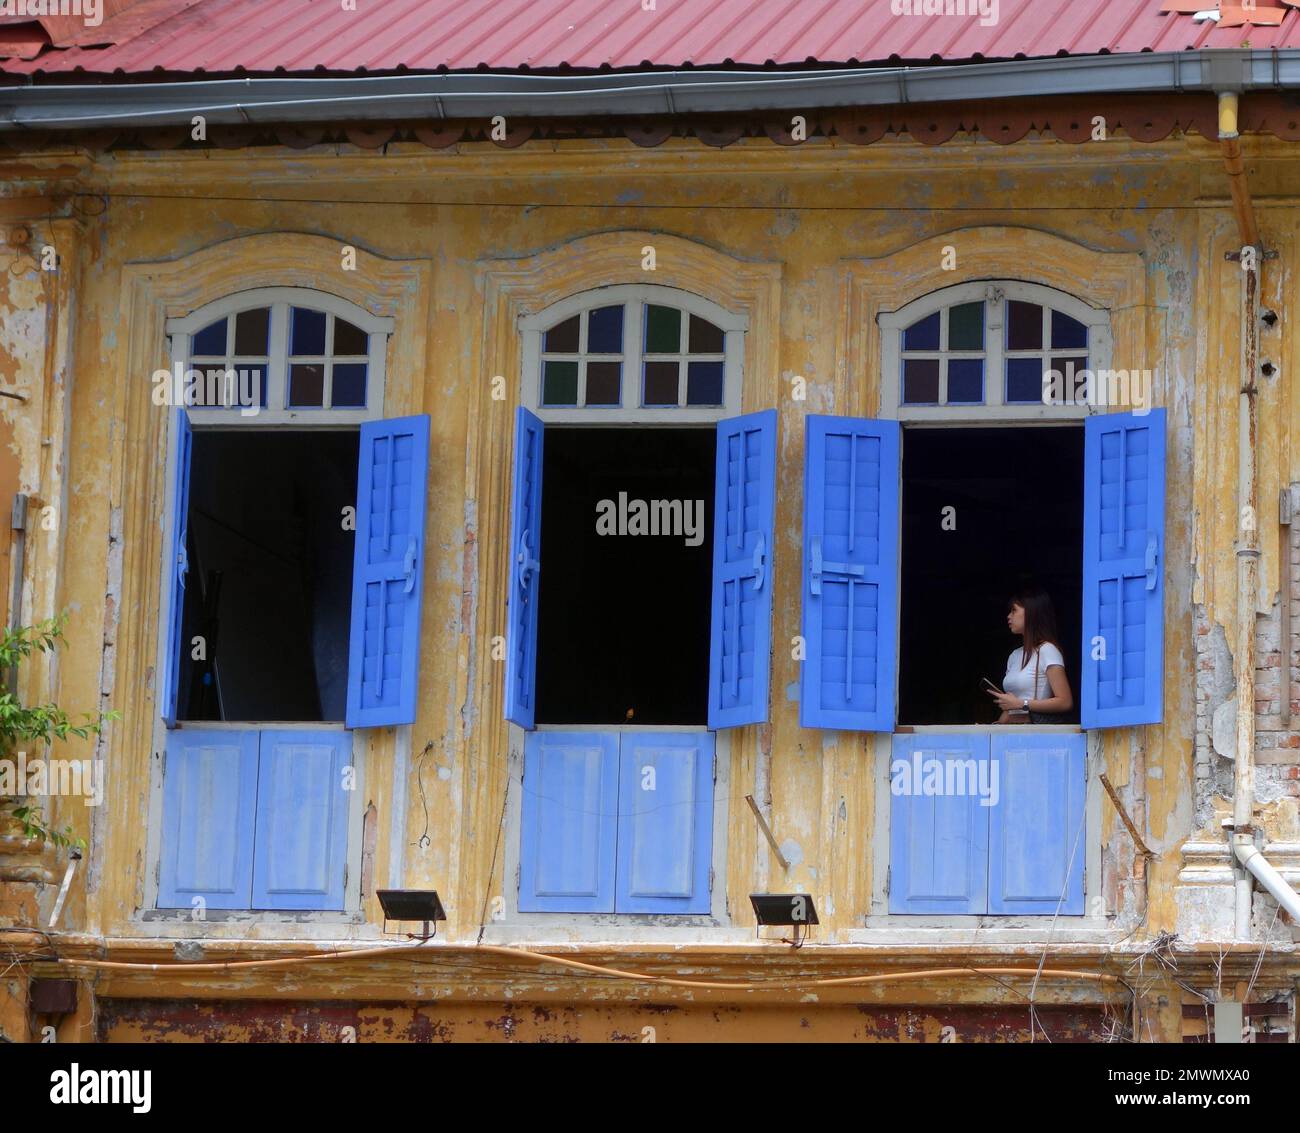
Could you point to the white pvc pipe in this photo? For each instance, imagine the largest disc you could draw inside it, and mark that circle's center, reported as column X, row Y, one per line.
column 1262, row 870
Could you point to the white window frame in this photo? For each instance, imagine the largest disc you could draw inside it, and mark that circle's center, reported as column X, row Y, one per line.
column 994, row 294
column 634, row 297
column 280, row 300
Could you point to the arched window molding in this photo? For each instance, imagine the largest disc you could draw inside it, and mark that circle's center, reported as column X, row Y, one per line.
column 993, row 354
column 280, row 355
column 636, row 402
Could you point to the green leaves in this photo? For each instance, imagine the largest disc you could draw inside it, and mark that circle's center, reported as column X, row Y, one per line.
column 24, row 725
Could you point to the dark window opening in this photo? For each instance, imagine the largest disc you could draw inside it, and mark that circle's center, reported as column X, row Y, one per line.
column 1017, row 500
column 269, row 587
column 623, row 620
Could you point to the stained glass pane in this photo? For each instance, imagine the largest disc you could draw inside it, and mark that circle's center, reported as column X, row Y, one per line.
column 661, row 383
column 251, row 331
column 663, row 330
column 603, row 381
column 211, row 340
column 1024, row 326
column 307, row 384
column 704, row 383
column 349, row 385
column 923, row 335
column 605, row 331
column 349, row 339
column 560, row 383
column 705, row 338
column 1068, row 333
column 1024, row 380
column 965, row 381
column 308, row 332
column 921, row 381
column 563, row 338
column 966, row 327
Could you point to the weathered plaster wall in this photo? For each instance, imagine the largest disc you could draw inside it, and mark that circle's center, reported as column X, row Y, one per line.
column 823, row 226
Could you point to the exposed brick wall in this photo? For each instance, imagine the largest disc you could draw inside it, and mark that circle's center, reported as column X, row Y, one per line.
column 1277, row 740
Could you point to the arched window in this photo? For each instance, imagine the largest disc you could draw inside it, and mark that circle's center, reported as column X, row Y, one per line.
column 993, row 348
column 633, row 352
column 280, row 354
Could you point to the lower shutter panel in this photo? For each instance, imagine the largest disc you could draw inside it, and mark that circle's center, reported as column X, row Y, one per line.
column 209, row 799
column 938, row 837
column 302, row 820
column 569, row 822
column 1037, row 840
column 665, row 830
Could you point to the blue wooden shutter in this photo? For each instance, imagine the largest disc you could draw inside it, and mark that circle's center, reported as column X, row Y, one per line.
column 387, row 571
column 1123, row 569
column 300, row 861
column 1037, row 840
column 525, row 567
column 743, row 519
column 209, row 803
column 850, row 573
column 665, row 822
column 175, row 566
column 938, row 842
column 569, row 822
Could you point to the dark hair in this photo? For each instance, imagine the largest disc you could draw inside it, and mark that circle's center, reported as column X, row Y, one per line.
column 1040, row 618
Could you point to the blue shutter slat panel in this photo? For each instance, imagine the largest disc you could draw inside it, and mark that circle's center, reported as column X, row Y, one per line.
column 743, row 529
column 1037, row 840
column 850, row 573
column 665, row 824
column 387, row 572
column 525, row 567
column 177, row 566
column 569, row 822
column 1123, row 569
column 939, row 842
column 209, row 804
column 300, row 860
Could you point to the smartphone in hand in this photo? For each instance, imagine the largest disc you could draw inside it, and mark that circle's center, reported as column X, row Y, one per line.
column 988, row 684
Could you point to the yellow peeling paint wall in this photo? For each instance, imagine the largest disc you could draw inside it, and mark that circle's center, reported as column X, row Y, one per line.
column 810, row 242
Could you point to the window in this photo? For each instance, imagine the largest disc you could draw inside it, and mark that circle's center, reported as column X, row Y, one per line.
column 963, row 350
column 652, row 509
column 632, row 353
column 287, row 353
column 908, row 522
column 291, row 593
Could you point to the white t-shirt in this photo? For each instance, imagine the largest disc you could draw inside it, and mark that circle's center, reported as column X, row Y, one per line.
column 1019, row 680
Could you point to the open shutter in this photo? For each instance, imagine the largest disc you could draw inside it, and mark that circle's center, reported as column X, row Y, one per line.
column 175, row 566
column 525, row 567
column 1123, row 569
column 938, row 827
column 850, row 573
column 743, row 516
column 209, row 799
column 387, row 570
column 302, row 820
column 569, row 822
column 1036, row 837
column 665, row 827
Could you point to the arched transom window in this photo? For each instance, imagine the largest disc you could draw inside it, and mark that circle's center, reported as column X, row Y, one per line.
column 641, row 353
column 293, row 354
column 1018, row 348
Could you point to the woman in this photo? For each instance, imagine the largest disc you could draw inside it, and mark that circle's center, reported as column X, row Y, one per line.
column 1035, row 680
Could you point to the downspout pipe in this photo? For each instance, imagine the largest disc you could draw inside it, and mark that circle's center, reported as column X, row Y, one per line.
column 1248, row 550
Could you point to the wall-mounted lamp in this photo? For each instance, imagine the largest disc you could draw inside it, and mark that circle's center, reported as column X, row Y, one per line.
column 412, row 905
column 794, row 909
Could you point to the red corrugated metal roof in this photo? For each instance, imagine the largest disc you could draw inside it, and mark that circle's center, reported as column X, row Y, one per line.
column 295, row 36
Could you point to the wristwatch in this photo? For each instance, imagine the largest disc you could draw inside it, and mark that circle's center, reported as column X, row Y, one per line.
column 1024, row 704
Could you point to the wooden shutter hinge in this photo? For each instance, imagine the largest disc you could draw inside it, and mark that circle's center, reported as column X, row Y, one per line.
column 889, row 872
column 715, row 764
column 710, row 879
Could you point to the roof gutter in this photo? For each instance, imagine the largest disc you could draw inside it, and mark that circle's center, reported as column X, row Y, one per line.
column 57, row 106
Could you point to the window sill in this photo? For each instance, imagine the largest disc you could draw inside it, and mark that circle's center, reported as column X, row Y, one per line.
column 979, row 729
column 976, row 931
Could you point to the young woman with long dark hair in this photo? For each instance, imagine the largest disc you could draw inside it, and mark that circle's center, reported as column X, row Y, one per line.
column 1035, row 681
